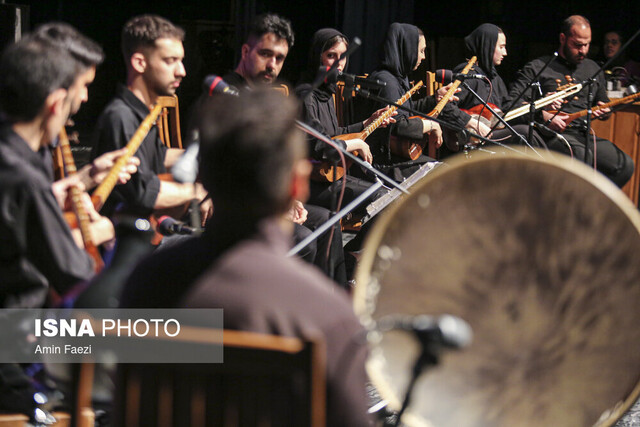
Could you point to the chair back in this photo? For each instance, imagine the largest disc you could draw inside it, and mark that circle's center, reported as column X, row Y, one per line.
column 169, row 122
column 264, row 380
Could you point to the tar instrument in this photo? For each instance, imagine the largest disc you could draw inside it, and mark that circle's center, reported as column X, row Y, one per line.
column 486, row 117
column 325, row 172
column 102, row 192
column 539, row 256
column 412, row 149
column 80, row 213
column 626, row 100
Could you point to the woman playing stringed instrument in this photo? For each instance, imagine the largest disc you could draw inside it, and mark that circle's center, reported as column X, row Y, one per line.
column 402, row 52
column 489, row 43
column 319, row 111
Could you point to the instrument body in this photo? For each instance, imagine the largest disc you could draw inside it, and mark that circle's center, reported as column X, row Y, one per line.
column 538, row 256
column 325, row 172
column 483, row 115
column 412, row 149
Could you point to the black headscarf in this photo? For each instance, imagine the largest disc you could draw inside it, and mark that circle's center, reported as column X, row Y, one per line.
column 318, row 42
column 482, row 43
column 400, row 51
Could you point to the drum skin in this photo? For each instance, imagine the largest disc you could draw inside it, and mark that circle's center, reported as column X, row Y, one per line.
column 541, row 256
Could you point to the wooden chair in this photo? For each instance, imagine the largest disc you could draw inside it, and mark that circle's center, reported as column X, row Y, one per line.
column 265, row 380
column 169, row 122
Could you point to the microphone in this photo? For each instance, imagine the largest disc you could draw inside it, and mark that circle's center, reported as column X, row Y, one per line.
column 168, row 226
column 447, row 76
column 334, row 75
column 353, row 46
column 446, row 330
column 214, row 84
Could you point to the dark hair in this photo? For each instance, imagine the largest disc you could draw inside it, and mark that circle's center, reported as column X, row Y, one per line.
column 333, row 41
column 84, row 50
column 141, row 32
column 30, row 70
column 568, row 23
column 271, row 23
column 248, row 146
column 618, row 32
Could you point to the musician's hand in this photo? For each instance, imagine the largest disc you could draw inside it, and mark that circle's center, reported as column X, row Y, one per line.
column 60, row 189
column 433, row 130
column 100, row 227
column 361, row 147
column 297, row 213
column 602, row 111
column 96, row 172
column 206, row 211
column 555, row 105
column 558, row 123
column 475, row 125
column 440, row 93
column 386, row 122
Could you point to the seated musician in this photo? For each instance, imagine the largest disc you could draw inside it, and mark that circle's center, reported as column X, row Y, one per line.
column 489, row 44
column 402, row 52
column 262, row 57
column 319, row 111
column 40, row 84
column 242, row 253
column 575, row 38
column 153, row 53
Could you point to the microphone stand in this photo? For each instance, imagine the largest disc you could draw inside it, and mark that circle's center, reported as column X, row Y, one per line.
column 354, row 203
column 501, row 120
column 428, row 357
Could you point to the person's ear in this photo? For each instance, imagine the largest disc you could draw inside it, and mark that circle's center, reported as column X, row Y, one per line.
column 299, row 189
column 563, row 39
column 55, row 102
column 244, row 51
column 138, row 62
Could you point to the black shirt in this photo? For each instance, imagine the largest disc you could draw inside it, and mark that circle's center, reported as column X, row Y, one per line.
column 557, row 70
column 37, row 249
column 116, row 125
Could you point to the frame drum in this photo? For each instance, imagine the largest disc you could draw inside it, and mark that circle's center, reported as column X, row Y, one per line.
column 540, row 257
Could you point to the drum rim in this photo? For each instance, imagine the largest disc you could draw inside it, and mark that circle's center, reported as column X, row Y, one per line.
column 561, row 161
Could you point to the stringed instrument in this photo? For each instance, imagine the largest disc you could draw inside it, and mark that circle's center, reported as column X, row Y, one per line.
column 325, row 172
column 485, row 116
column 102, row 192
column 626, row 100
column 412, row 149
column 81, row 216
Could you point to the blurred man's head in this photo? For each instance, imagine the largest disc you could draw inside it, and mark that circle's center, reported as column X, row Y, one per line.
column 35, row 78
column 87, row 54
column 252, row 157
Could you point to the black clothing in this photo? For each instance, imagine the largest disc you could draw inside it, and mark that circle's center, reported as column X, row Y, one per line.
column 482, row 43
column 611, row 161
column 399, row 56
column 37, row 250
column 318, row 111
column 116, row 125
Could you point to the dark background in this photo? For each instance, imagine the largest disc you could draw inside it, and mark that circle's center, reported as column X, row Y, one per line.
column 215, row 30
